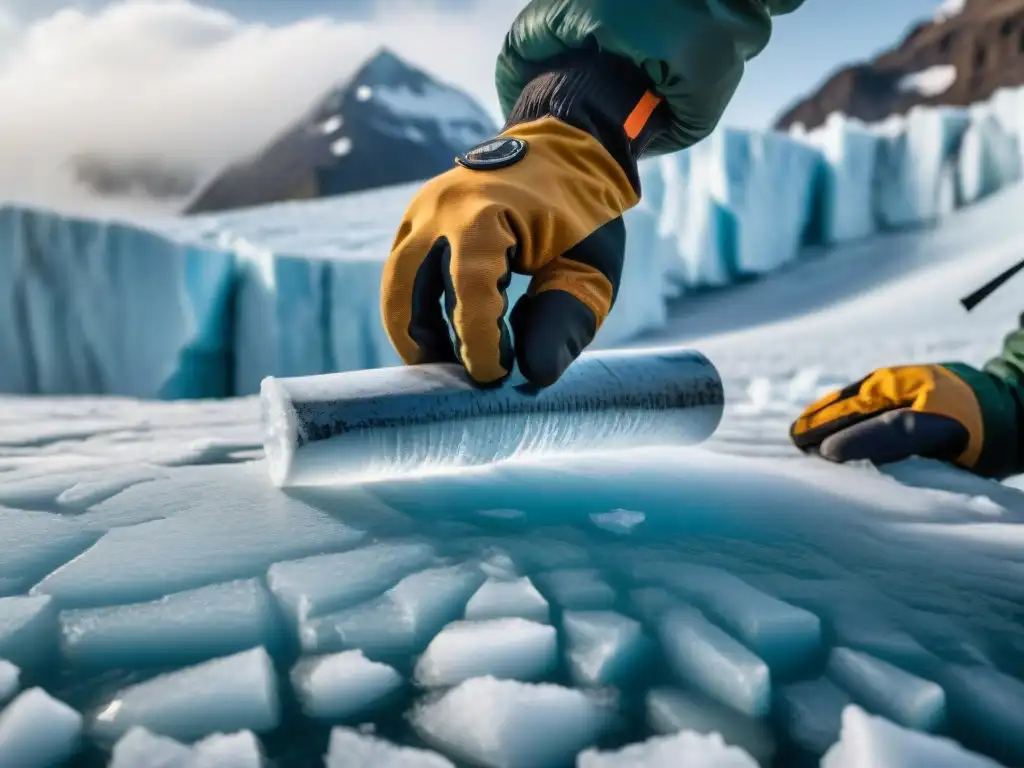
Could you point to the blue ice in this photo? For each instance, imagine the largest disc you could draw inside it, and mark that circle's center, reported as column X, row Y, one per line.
column 603, row 647
column 785, row 636
column 681, row 750
column 209, row 305
column 671, row 710
column 351, row 749
column 322, row 584
column 508, row 648
column 917, row 170
column 402, row 620
column 889, row 691
column 502, row 598
column 110, row 308
column 341, row 686
column 218, row 539
column 228, row 750
column 28, row 630
column 37, row 730
column 704, row 656
column 10, row 680
column 869, row 740
column 35, row 543
column 579, row 589
column 510, row 724
column 139, row 748
column 811, row 713
column 851, row 155
column 232, row 693
column 181, row 628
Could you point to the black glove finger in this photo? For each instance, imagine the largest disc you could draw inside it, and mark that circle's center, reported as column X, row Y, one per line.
column 897, row 435
column 411, row 293
column 566, row 303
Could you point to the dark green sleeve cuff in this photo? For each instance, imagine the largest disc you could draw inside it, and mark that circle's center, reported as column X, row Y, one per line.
column 694, row 52
column 597, row 93
column 1002, row 408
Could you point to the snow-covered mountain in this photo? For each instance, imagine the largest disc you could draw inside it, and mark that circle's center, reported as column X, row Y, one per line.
column 962, row 56
column 389, row 123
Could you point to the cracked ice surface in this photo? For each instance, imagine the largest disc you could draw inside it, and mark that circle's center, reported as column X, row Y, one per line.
column 608, row 609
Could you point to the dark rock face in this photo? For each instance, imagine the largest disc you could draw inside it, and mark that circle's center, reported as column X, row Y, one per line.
column 389, row 124
column 984, row 43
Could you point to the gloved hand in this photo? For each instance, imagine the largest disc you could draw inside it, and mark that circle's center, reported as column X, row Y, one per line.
column 545, row 199
column 948, row 412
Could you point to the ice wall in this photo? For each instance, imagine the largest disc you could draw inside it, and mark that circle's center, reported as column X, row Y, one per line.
column 741, row 204
column 209, row 306
column 93, row 307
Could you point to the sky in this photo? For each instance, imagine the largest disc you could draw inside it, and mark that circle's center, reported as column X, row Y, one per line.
column 197, row 80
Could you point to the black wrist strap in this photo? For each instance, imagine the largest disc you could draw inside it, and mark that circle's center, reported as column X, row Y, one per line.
column 605, row 95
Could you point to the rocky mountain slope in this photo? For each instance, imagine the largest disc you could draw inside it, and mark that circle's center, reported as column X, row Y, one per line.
column 390, row 123
column 970, row 49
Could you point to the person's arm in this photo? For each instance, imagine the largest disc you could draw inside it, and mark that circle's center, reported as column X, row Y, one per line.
column 1003, row 402
column 973, row 417
column 691, row 54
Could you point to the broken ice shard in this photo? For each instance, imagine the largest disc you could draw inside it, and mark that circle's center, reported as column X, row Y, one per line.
column 706, row 657
column 870, row 740
column 672, row 711
column 500, row 598
column 323, row 584
column 577, row 589
column 183, row 628
column 402, row 620
column 385, row 422
column 224, row 695
column 350, row 749
column 811, row 713
column 37, row 730
column 227, row 750
column 602, row 647
column 139, row 748
column 343, row 685
column 28, row 630
column 513, row 648
column 785, row 636
column 680, row 750
column 508, row 724
column 886, row 690
column 10, row 679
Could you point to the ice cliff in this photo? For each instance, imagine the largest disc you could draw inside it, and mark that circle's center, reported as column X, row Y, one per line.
column 207, row 306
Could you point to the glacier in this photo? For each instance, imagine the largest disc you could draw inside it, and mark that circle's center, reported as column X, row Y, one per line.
column 207, row 306
column 164, row 604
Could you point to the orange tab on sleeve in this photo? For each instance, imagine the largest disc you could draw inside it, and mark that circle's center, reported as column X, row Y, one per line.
column 641, row 114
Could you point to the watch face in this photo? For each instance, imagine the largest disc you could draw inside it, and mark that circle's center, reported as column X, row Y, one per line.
column 495, row 153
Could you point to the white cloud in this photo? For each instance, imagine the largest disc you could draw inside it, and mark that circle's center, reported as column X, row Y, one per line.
column 172, row 80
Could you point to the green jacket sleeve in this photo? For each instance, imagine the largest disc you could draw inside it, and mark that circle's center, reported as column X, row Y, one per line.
column 999, row 388
column 693, row 51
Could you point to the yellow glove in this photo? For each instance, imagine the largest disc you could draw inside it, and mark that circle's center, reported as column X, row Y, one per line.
column 545, row 198
column 914, row 410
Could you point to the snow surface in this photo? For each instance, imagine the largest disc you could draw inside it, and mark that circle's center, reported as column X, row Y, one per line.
column 682, row 750
column 872, row 741
column 210, row 305
column 151, row 577
column 508, row 724
column 933, row 81
column 350, row 749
